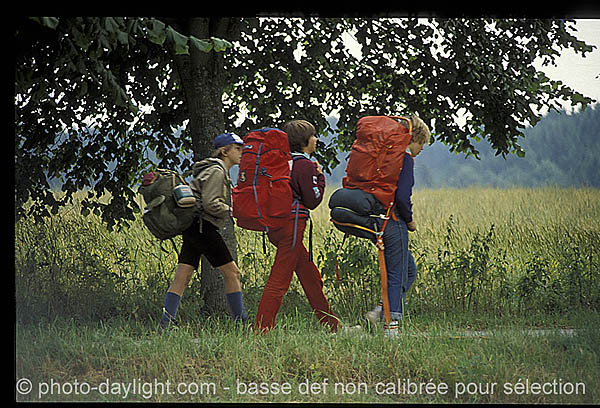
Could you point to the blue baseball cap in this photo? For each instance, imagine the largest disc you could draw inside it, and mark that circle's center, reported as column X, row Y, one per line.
column 225, row 139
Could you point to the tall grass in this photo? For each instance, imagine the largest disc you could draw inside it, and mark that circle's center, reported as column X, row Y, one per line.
column 70, row 265
column 487, row 250
column 492, row 251
column 88, row 300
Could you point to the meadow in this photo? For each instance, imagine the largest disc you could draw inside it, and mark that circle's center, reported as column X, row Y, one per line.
column 498, row 260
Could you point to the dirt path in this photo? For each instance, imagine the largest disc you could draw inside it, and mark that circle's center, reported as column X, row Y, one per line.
column 474, row 333
column 531, row 332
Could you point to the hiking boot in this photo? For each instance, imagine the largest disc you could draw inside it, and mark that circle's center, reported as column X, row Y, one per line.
column 166, row 324
column 373, row 316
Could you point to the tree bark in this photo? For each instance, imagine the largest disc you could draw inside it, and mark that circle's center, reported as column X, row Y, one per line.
column 202, row 77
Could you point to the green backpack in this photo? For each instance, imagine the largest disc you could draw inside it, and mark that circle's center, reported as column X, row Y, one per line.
column 170, row 203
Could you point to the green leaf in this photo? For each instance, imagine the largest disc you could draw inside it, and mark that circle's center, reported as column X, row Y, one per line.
column 50, row 22
column 201, row 45
column 110, row 25
column 156, row 33
column 578, row 98
column 178, row 41
column 83, row 90
column 220, row 44
column 81, row 40
column 123, row 38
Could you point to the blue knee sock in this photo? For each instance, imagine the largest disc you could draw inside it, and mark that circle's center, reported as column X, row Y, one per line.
column 171, row 305
column 236, row 306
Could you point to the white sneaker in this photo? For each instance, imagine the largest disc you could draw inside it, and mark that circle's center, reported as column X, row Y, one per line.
column 353, row 329
column 348, row 330
column 390, row 329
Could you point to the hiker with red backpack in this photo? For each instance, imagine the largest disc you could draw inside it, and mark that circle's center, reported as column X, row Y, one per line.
column 212, row 187
column 375, row 203
column 400, row 264
column 307, row 184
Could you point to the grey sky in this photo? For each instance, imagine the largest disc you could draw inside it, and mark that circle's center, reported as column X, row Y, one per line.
column 581, row 74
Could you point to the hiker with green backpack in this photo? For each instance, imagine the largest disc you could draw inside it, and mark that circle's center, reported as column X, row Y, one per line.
column 211, row 186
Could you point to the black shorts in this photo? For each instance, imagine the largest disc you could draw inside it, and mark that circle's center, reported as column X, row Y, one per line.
column 208, row 243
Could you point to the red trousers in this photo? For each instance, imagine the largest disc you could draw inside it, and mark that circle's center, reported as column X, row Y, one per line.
column 288, row 260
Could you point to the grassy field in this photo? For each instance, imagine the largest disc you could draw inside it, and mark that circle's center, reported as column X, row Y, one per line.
column 87, row 301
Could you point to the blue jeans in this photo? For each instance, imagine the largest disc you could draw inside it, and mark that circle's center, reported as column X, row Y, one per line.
column 400, row 265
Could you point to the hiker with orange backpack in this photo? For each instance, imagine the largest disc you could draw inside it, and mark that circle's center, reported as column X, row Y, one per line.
column 212, row 186
column 400, row 264
column 308, row 184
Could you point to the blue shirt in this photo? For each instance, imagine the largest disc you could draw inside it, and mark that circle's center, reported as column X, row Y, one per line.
column 404, row 185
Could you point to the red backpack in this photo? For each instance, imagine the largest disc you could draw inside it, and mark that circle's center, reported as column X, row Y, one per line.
column 376, row 158
column 262, row 198
column 374, row 165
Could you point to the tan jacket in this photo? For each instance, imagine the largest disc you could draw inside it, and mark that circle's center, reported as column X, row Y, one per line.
column 212, row 186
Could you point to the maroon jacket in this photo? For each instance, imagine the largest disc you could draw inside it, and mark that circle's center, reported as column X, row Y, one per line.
column 308, row 186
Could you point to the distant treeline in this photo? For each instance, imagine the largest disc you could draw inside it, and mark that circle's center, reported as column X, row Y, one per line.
column 561, row 150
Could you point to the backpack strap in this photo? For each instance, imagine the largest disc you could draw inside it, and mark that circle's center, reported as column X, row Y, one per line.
column 382, row 268
column 296, row 207
column 348, row 224
column 187, row 173
column 403, row 118
column 255, row 179
column 310, row 240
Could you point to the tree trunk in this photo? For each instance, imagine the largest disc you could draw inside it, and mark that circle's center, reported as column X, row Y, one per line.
column 203, row 80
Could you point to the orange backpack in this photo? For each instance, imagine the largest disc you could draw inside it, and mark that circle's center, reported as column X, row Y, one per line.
column 376, row 158
column 374, row 165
